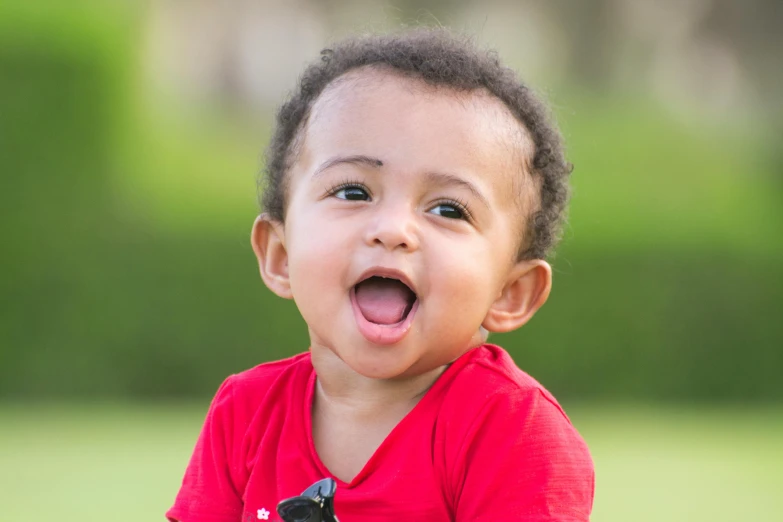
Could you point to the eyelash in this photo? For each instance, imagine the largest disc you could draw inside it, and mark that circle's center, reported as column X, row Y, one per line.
column 345, row 184
column 459, row 204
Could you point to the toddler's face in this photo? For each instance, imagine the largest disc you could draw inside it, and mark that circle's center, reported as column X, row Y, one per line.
column 403, row 221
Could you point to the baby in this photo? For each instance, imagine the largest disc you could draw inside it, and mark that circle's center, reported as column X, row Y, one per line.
column 414, row 188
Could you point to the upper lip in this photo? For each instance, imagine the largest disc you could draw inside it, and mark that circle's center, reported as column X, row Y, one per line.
column 389, row 273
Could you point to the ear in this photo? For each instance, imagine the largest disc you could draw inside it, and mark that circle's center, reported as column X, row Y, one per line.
column 268, row 240
column 526, row 290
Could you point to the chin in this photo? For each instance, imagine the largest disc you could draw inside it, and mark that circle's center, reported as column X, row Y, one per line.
column 390, row 363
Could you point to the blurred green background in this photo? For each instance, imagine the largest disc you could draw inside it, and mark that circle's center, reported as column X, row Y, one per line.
column 130, row 138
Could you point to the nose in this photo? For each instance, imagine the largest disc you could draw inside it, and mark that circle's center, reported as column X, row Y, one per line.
column 393, row 227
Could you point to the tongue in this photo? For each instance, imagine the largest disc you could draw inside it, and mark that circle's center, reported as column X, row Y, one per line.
column 383, row 301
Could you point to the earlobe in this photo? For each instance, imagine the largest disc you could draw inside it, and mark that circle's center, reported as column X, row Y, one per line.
column 526, row 290
column 268, row 240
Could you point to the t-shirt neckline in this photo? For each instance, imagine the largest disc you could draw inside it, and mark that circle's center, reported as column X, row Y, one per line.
column 428, row 396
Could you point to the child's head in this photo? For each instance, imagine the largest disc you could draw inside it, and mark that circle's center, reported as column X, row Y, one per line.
column 439, row 59
column 413, row 188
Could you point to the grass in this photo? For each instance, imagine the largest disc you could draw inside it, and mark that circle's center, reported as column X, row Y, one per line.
column 124, row 462
column 685, row 464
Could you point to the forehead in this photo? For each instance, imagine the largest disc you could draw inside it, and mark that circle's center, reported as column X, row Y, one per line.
column 413, row 125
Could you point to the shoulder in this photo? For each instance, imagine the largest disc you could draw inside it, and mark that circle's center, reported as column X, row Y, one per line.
column 222, row 460
column 490, row 391
column 245, row 392
column 510, row 430
column 263, row 376
column 487, row 395
column 488, row 373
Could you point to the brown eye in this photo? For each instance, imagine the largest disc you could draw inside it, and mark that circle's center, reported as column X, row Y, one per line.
column 448, row 211
column 352, row 193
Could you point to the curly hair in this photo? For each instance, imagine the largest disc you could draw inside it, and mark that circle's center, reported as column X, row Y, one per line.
column 438, row 58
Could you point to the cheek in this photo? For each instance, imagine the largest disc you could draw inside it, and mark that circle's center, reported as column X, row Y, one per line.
column 317, row 258
column 465, row 284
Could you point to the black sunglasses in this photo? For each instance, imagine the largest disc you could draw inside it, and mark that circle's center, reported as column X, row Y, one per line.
column 315, row 504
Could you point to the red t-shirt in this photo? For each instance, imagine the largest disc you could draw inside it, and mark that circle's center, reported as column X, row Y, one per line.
column 486, row 442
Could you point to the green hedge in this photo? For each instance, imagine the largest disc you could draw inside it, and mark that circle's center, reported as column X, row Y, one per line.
column 667, row 286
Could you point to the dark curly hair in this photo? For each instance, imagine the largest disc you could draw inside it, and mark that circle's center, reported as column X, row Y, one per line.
column 439, row 58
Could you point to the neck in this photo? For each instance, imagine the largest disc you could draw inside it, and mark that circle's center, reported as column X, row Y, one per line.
column 338, row 386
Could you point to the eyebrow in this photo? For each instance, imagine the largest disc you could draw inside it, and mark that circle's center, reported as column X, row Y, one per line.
column 351, row 160
column 442, row 178
column 437, row 178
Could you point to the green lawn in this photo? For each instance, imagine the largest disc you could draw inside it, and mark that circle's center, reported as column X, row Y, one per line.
column 124, row 463
column 685, row 464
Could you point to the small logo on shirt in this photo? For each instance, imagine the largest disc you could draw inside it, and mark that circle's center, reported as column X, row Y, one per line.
column 263, row 514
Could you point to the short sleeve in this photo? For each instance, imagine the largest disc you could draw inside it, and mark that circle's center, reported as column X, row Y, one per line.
column 209, row 490
column 523, row 460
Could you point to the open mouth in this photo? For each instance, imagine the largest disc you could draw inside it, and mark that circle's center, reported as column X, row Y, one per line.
column 384, row 300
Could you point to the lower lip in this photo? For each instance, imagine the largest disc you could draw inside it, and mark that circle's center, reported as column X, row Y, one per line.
column 382, row 334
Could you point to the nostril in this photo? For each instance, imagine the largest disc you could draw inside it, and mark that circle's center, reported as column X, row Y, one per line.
column 394, row 244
